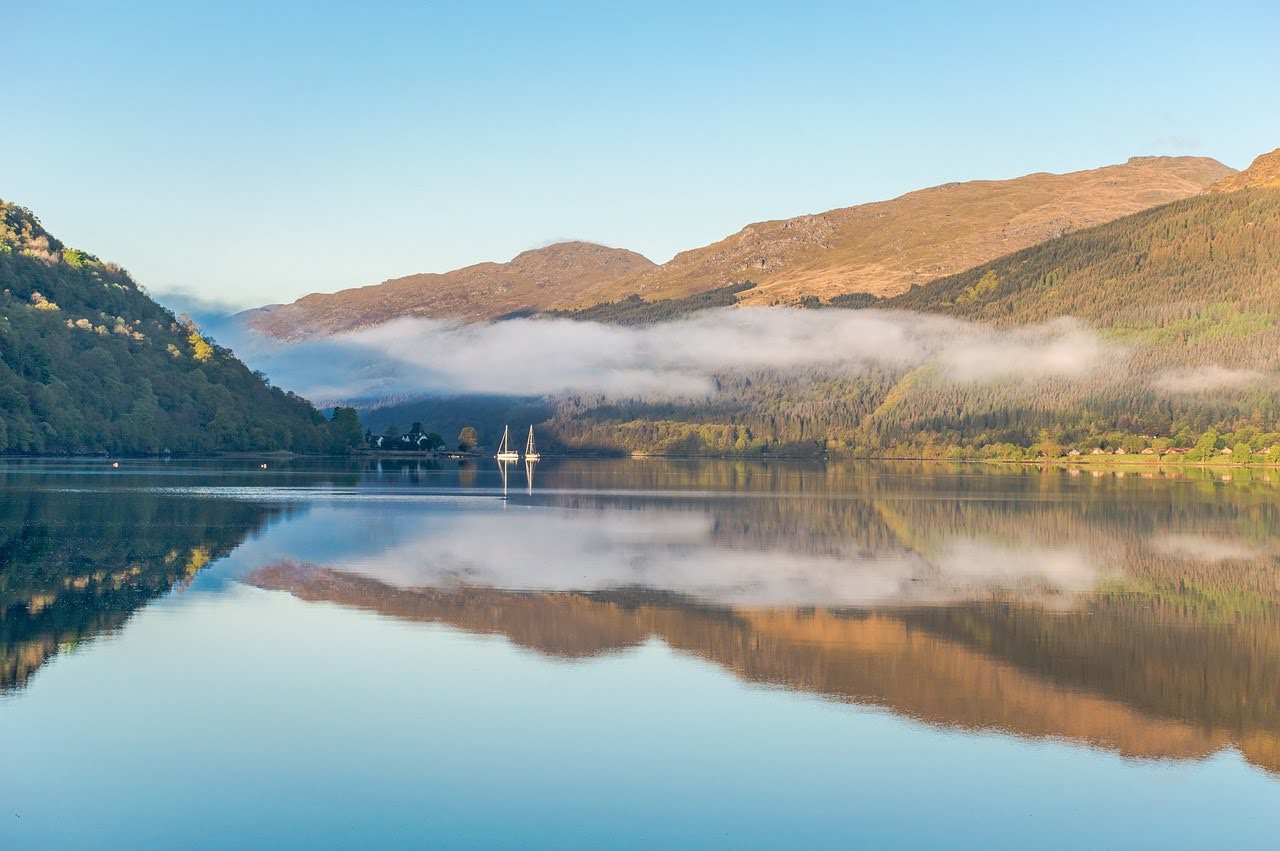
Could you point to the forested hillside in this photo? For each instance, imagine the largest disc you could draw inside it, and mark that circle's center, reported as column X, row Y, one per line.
column 89, row 363
column 1153, row 270
column 1187, row 294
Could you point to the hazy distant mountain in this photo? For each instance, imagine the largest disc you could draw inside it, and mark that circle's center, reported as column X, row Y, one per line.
column 885, row 247
column 1264, row 173
column 533, row 281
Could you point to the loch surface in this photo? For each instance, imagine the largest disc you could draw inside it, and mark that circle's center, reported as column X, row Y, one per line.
column 623, row 653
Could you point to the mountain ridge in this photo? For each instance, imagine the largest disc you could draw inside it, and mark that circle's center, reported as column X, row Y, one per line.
column 1262, row 173
column 882, row 247
column 530, row 282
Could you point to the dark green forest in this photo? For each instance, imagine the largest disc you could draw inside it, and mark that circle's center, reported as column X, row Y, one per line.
column 89, row 363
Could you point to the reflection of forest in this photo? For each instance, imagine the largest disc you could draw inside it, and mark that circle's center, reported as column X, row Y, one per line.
column 1158, row 683
column 77, row 563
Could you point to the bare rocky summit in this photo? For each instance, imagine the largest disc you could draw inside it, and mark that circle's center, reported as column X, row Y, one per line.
column 1263, row 173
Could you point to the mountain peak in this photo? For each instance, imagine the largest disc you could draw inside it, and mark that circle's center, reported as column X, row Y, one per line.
column 21, row 229
column 574, row 252
column 530, row 282
column 1263, row 173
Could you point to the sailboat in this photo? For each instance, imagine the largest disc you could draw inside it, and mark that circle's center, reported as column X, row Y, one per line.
column 530, row 451
column 505, row 452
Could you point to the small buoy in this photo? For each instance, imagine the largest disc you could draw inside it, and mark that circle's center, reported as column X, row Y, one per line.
column 115, row 465
column 264, row 466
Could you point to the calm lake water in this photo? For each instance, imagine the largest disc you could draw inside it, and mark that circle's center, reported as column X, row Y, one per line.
column 636, row 653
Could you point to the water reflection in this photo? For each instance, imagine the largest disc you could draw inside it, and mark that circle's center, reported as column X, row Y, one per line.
column 76, row 564
column 1133, row 614
column 1162, row 684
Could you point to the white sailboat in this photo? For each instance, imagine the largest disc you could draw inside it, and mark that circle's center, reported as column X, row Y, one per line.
column 531, row 451
column 505, row 452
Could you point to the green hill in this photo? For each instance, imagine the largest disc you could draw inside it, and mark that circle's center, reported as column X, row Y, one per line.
column 90, row 363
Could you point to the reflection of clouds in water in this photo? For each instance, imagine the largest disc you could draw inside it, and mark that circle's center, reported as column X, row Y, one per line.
column 984, row 565
column 1203, row 547
column 556, row 549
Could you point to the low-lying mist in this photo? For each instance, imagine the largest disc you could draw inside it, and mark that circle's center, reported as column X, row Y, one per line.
column 417, row 357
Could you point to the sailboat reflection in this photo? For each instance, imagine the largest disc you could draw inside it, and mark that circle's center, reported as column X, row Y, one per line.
column 502, row 469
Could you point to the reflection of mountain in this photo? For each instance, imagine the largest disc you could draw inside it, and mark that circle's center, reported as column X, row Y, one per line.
column 1151, row 683
column 75, row 564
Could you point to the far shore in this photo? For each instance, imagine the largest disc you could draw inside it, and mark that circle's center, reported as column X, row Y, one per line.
column 1100, row 462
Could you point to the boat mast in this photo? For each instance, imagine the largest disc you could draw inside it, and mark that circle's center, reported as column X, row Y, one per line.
column 505, row 452
column 530, row 450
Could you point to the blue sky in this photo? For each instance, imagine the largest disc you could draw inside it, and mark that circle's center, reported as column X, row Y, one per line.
column 251, row 152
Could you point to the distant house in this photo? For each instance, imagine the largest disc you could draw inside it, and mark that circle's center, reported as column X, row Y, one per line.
column 405, row 442
column 1098, row 451
column 1120, row 450
column 1148, row 451
column 1074, row 452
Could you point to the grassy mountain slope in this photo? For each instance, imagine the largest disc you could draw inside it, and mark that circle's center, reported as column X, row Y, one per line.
column 89, row 363
column 881, row 248
column 1263, row 173
column 533, row 281
column 885, row 247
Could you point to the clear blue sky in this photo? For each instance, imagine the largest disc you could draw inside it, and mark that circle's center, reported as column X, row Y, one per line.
column 252, row 154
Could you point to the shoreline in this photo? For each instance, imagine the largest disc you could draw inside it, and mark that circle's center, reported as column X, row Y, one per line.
column 1129, row 462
